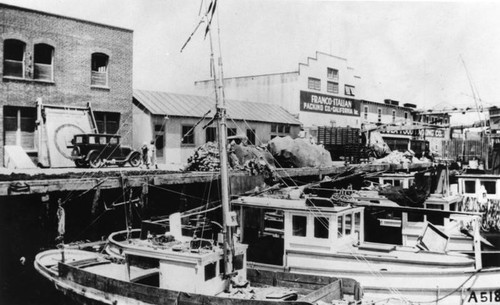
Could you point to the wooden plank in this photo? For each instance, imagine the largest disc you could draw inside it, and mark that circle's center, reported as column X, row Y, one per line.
column 327, row 293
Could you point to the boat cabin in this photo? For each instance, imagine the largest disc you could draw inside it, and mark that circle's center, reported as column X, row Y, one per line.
column 314, row 225
column 196, row 266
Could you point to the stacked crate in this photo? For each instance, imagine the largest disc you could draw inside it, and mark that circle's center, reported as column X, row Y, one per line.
column 343, row 143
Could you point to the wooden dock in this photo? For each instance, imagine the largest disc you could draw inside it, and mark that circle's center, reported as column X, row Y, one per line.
column 42, row 181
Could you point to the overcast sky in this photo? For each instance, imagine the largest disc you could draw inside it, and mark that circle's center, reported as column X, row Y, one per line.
column 406, row 51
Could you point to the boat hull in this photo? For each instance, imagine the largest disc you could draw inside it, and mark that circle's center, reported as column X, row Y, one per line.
column 92, row 287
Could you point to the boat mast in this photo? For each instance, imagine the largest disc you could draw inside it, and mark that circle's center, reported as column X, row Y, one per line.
column 224, row 175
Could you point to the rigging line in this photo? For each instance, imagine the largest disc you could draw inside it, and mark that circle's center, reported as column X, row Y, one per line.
column 196, row 124
column 266, row 149
column 92, row 173
column 474, row 93
column 209, row 188
column 267, row 163
column 181, row 193
column 201, row 212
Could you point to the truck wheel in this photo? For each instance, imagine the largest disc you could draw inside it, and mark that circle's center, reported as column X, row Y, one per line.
column 135, row 160
column 95, row 160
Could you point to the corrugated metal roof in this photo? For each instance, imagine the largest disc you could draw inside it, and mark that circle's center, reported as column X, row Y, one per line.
column 171, row 104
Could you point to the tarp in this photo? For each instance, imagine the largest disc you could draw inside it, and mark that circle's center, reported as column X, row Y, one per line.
column 298, row 152
column 60, row 126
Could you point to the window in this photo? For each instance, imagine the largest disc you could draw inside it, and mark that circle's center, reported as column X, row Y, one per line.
column 238, row 262
column 332, row 87
column 280, row 130
column 13, row 58
column 348, row 224
column 357, row 222
column 394, row 116
column 19, row 126
column 470, row 186
column 113, row 140
column 187, row 134
column 406, row 116
column 211, row 134
column 99, row 71
column 379, row 115
column 251, row 136
column 490, row 187
column 107, row 122
column 43, row 67
column 299, row 225
column 321, row 227
column 210, row 271
column 349, row 90
column 332, row 74
column 340, row 226
column 314, row 83
column 231, row 132
column 366, row 113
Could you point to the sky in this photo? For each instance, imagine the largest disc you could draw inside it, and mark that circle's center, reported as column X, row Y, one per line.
column 410, row 51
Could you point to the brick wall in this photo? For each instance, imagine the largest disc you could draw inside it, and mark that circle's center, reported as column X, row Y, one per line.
column 74, row 41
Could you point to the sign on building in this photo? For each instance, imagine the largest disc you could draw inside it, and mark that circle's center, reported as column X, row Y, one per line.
column 328, row 104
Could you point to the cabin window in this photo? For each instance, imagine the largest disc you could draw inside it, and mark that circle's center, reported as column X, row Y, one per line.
column 357, row 222
column 43, row 68
column 210, row 271
column 102, row 140
column 321, row 227
column 299, row 225
column 113, row 141
column 91, row 140
column 366, row 113
column 238, row 262
column 397, row 183
column 79, row 139
column 187, row 134
column 348, row 224
column 490, row 186
column 222, row 267
column 340, row 226
column 387, row 181
column 210, row 134
column 470, row 186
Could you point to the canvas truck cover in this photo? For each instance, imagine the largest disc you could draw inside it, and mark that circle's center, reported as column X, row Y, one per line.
column 60, row 125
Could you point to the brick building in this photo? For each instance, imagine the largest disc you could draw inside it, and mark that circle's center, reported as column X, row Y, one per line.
column 62, row 61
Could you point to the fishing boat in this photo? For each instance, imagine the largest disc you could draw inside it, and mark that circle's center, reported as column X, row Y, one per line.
column 326, row 236
column 171, row 268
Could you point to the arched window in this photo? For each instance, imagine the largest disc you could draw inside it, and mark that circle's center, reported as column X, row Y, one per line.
column 44, row 62
column 13, row 58
column 99, row 71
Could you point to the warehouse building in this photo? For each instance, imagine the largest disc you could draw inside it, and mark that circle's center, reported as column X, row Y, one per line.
column 179, row 123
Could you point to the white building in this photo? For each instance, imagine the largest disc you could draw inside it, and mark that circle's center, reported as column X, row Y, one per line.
column 320, row 92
